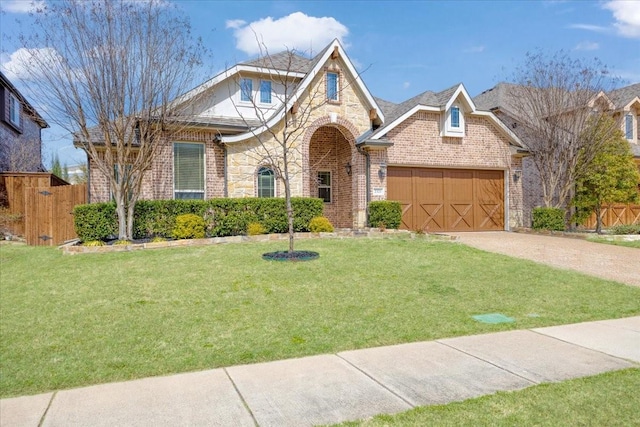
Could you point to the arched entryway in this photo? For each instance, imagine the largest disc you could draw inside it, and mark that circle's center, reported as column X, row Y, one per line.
column 333, row 165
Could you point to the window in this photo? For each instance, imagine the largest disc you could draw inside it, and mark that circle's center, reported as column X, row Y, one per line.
column 265, row 92
column 14, row 110
column 453, row 125
column 628, row 126
column 246, row 89
column 455, row 117
column 324, row 186
column 188, row 171
column 332, row 86
column 266, row 183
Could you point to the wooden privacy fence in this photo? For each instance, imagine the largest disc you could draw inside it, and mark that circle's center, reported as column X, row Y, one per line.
column 617, row 214
column 40, row 206
column 49, row 213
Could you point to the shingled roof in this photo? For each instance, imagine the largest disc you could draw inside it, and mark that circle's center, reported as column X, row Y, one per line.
column 624, row 95
column 284, row 61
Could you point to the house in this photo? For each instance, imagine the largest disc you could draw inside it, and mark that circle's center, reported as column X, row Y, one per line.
column 20, row 131
column 452, row 165
column 624, row 105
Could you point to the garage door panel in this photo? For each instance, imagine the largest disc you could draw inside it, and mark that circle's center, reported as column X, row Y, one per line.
column 460, row 217
column 448, row 199
column 430, row 217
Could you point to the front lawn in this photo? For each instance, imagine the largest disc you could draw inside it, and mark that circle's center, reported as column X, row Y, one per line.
column 627, row 243
column 67, row 321
column 609, row 399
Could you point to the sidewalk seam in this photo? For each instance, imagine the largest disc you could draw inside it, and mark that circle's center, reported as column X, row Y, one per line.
column 244, row 402
column 377, row 382
column 44, row 414
column 633, row 362
column 502, row 368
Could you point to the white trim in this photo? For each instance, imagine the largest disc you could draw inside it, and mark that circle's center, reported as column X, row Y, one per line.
column 461, row 91
column 319, row 67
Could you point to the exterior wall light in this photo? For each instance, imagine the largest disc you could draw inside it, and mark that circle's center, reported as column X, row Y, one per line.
column 382, row 172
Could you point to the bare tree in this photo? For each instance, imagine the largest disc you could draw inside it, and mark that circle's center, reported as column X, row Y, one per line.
column 555, row 102
column 20, row 155
column 106, row 71
column 279, row 147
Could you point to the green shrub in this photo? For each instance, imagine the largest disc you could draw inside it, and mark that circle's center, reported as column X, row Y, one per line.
column 320, row 224
column 255, row 229
column 93, row 243
column 158, row 239
column 625, row 229
column 385, row 214
column 189, row 226
column 96, row 221
column 122, row 242
column 222, row 217
column 548, row 219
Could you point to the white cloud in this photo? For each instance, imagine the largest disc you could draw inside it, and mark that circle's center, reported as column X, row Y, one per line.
column 235, row 23
column 587, row 46
column 22, row 6
column 589, row 27
column 296, row 31
column 627, row 16
column 20, row 64
column 406, row 85
column 475, row 49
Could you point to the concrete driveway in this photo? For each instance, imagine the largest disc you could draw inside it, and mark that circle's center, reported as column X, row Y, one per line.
column 610, row 262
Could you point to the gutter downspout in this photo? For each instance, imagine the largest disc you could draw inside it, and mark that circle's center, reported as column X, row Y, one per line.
column 218, row 141
column 367, row 180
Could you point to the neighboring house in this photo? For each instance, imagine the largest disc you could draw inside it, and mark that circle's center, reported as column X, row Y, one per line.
column 453, row 166
column 623, row 103
column 20, row 131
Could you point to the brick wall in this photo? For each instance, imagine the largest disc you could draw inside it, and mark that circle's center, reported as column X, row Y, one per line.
column 20, row 150
column 417, row 142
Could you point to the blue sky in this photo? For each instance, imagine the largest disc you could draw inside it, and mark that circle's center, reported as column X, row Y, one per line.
column 404, row 47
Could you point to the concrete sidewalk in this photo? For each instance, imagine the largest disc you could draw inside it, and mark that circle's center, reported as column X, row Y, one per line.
column 345, row 386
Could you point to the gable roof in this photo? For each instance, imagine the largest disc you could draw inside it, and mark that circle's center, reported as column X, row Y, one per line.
column 624, row 96
column 435, row 102
column 4, row 81
column 315, row 65
column 285, row 61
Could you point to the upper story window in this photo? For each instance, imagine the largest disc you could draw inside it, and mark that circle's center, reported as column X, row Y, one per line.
column 188, row 170
column 265, row 92
column 266, row 182
column 14, row 110
column 246, row 89
column 332, row 86
column 628, row 126
column 454, row 122
column 455, row 117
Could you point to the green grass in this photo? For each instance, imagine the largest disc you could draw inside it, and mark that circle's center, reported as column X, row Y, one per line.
column 609, row 399
column 627, row 243
column 67, row 321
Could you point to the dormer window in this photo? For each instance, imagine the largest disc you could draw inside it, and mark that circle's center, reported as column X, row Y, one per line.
column 265, row 92
column 455, row 117
column 628, row 126
column 246, row 89
column 454, row 122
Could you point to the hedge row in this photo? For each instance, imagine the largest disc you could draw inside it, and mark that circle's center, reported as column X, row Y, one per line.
column 223, row 217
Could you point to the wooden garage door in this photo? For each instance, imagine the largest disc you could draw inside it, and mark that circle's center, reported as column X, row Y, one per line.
column 448, row 199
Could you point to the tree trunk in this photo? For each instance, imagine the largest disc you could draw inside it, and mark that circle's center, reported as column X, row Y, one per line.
column 122, row 216
column 130, row 209
column 598, row 210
